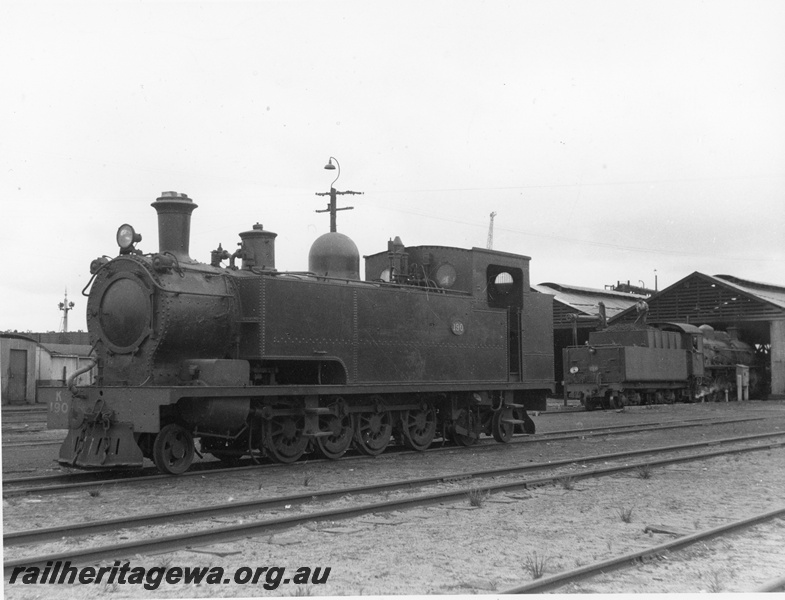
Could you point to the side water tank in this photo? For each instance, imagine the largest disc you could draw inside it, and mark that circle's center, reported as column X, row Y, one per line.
column 334, row 255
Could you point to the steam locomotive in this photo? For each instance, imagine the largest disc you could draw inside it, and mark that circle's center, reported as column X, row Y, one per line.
column 667, row 362
column 437, row 342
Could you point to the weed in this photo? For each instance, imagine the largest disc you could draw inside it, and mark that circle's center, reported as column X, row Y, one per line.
column 535, row 565
column 644, row 471
column 303, row 591
column 110, row 588
column 94, row 493
column 477, row 497
column 715, row 584
column 673, row 504
column 625, row 513
column 566, row 481
column 307, row 480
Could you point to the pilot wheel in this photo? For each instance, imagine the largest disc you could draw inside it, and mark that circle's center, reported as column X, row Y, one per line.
column 173, row 449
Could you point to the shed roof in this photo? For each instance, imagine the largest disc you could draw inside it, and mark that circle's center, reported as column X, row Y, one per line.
column 53, row 349
column 585, row 301
column 69, row 349
column 765, row 291
column 700, row 298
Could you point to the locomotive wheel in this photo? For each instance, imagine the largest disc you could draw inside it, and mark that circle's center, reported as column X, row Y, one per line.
column 502, row 432
column 466, row 420
column 335, row 445
column 418, row 427
column 372, row 432
column 284, row 439
column 173, row 449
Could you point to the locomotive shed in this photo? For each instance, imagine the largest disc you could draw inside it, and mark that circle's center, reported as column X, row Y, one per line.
column 752, row 311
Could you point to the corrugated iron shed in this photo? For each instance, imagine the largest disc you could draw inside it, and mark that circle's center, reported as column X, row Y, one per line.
column 570, row 299
column 765, row 291
column 716, row 300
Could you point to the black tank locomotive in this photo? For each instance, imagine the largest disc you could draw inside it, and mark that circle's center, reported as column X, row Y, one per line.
column 437, row 342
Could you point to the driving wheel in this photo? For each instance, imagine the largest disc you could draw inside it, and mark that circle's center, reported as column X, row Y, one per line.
column 372, row 432
column 341, row 431
column 419, row 427
column 284, row 439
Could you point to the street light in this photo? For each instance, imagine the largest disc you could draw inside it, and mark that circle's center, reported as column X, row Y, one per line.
column 332, row 207
column 331, row 167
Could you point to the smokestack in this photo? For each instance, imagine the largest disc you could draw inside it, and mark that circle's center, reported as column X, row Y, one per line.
column 174, row 223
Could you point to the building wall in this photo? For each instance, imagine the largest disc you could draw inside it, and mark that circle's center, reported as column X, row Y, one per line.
column 7, row 386
column 54, row 369
column 43, row 368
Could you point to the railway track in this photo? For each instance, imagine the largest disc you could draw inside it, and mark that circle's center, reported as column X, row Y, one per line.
column 559, row 580
column 32, row 444
column 69, row 482
column 248, row 528
column 775, row 585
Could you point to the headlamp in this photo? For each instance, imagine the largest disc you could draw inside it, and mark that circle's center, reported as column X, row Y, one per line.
column 127, row 237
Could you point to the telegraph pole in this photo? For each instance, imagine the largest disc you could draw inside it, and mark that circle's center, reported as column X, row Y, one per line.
column 65, row 306
column 332, row 207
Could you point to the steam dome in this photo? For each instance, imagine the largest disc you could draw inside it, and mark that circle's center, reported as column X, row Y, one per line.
column 334, row 255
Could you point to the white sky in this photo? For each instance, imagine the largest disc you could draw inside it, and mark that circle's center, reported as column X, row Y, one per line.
column 612, row 138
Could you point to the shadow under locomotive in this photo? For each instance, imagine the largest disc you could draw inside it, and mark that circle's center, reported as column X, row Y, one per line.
column 436, row 342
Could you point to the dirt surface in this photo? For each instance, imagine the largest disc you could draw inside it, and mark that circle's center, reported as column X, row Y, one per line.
column 455, row 548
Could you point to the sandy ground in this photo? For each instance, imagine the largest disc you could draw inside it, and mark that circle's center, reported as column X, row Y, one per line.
column 458, row 549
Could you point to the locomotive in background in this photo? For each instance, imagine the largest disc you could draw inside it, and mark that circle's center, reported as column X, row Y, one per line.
column 668, row 362
column 438, row 342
